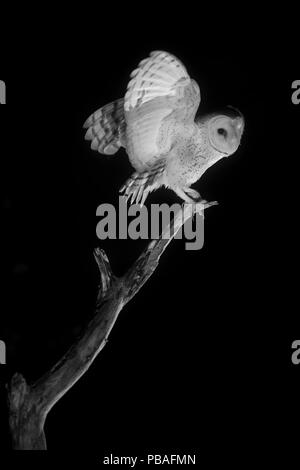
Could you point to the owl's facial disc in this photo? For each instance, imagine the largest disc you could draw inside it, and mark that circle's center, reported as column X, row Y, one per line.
column 225, row 133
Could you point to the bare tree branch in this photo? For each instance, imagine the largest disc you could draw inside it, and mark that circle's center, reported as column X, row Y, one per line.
column 30, row 404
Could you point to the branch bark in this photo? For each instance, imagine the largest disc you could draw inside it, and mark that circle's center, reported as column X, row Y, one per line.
column 30, row 404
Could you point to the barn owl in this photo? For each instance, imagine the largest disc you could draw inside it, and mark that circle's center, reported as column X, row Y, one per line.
column 155, row 122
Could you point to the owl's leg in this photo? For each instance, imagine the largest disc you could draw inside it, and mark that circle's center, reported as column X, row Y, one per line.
column 181, row 193
column 195, row 198
column 188, row 194
column 193, row 194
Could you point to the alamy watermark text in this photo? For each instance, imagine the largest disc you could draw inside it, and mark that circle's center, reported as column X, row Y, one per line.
column 2, row 352
column 139, row 222
column 2, row 92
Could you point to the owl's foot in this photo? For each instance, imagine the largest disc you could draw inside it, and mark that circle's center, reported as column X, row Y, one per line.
column 187, row 194
column 192, row 196
column 199, row 206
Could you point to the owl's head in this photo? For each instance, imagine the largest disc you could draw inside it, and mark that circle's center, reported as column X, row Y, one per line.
column 225, row 130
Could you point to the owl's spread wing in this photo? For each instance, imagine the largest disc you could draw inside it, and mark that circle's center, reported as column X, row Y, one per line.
column 106, row 128
column 159, row 96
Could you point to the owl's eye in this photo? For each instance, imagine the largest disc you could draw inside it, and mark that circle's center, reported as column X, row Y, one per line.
column 223, row 132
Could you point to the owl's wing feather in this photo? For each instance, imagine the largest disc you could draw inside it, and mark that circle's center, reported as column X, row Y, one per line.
column 140, row 184
column 158, row 75
column 159, row 95
column 106, row 128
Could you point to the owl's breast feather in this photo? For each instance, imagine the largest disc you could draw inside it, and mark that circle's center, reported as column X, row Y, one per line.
column 190, row 158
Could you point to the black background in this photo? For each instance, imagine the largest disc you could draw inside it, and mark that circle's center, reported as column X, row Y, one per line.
column 200, row 360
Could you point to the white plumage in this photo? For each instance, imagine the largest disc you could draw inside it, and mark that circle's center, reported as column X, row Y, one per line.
column 155, row 122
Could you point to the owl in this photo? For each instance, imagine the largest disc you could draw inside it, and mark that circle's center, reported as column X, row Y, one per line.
column 157, row 126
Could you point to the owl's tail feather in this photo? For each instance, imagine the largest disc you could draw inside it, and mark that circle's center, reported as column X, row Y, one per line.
column 139, row 185
column 106, row 128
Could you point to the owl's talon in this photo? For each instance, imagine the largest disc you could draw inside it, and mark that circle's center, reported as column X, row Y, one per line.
column 199, row 206
column 193, row 194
